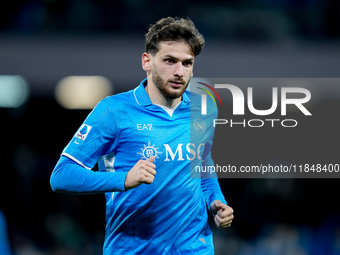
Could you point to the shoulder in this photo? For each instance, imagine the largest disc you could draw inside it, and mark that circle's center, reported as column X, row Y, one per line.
column 120, row 97
column 107, row 108
column 118, row 100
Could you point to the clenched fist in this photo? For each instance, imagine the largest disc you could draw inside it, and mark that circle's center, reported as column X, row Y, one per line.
column 223, row 214
column 142, row 172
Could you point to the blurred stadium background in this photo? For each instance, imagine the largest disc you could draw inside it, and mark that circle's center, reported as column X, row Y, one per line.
column 52, row 45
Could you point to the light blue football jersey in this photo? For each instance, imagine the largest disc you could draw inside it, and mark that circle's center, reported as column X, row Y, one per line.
column 168, row 216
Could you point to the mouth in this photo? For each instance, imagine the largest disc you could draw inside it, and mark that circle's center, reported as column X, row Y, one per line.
column 176, row 84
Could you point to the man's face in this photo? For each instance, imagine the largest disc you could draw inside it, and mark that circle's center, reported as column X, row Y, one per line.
column 172, row 68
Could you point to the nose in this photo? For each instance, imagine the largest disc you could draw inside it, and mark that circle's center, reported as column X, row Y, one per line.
column 179, row 70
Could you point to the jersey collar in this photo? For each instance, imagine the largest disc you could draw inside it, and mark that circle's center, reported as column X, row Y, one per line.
column 142, row 97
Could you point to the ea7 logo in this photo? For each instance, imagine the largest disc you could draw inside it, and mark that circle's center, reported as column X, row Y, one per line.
column 144, row 126
column 238, row 100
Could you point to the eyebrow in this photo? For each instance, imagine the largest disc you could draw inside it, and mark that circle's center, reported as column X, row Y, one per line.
column 170, row 56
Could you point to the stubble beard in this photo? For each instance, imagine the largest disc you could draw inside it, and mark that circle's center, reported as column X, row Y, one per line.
column 164, row 89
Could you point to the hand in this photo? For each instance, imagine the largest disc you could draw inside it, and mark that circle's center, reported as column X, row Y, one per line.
column 142, row 172
column 223, row 214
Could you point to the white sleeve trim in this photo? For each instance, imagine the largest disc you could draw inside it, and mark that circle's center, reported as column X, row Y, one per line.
column 75, row 160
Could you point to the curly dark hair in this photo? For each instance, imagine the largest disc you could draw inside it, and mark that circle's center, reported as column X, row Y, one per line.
column 173, row 29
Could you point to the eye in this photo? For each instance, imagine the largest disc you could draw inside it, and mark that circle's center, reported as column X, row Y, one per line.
column 187, row 63
column 170, row 60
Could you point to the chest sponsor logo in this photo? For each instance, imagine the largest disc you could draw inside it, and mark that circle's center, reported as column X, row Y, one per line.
column 180, row 152
column 149, row 150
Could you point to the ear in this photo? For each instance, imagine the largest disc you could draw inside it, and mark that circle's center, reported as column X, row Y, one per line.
column 146, row 61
